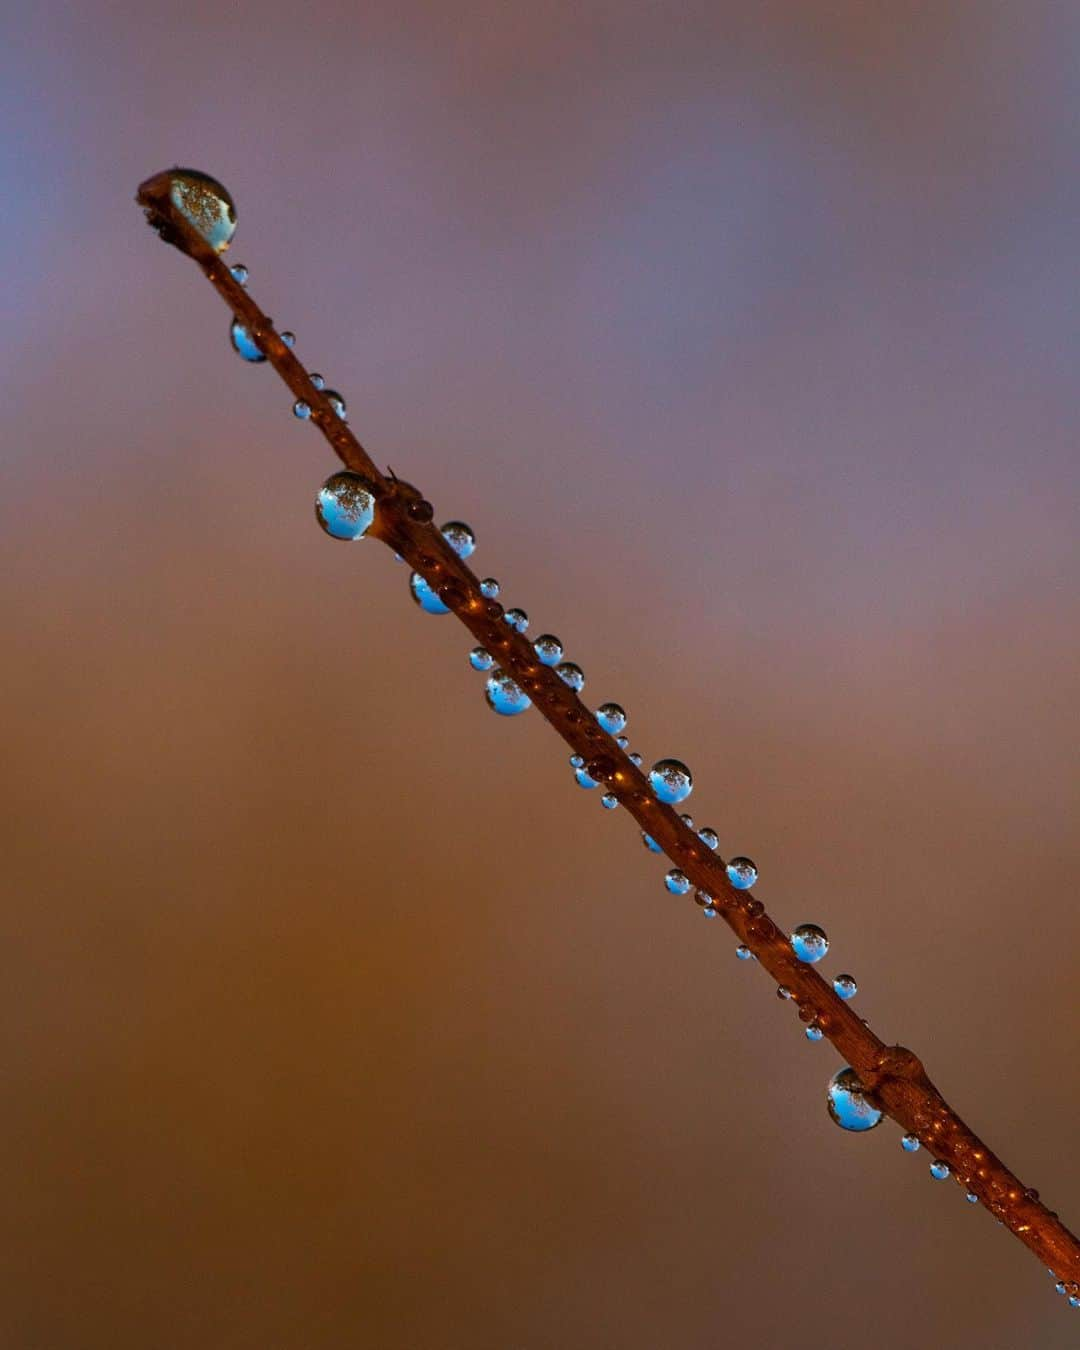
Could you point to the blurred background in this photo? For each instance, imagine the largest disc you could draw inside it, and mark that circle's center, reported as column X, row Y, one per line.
column 745, row 336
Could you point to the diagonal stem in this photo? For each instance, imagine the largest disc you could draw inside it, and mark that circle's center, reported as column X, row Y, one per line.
column 892, row 1075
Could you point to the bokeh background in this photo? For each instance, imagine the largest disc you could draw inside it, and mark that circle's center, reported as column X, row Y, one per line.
column 745, row 336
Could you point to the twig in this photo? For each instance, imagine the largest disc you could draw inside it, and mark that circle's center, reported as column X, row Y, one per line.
column 893, row 1077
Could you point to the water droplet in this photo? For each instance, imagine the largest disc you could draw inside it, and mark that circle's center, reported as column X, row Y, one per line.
column 584, row 780
column 971, row 1198
column 289, row 339
column 244, row 344
column 687, row 820
column 909, row 1143
column 845, row 986
column 814, row 1033
column 489, row 588
column 481, row 659
column 709, row 911
column 425, row 597
column 576, row 761
column 462, row 540
column 239, row 273
column 345, row 505
column 622, row 742
column 338, row 404
column 570, row 674
column 205, row 204
column 678, row 883
column 848, row 1104
column 504, row 696
column 650, row 843
column 782, row 991
column 609, row 801
column 317, row 380
column 548, row 649
column 939, row 1170
column 709, row 838
column 635, row 760
column 671, row 780
column 809, row 943
column 611, row 717
column 1059, row 1288
column 1074, row 1300
column 301, row 409
column 517, row 619
column 742, row 873
column 743, row 952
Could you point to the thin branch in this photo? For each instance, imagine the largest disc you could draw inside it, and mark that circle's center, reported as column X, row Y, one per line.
column 893, row 1077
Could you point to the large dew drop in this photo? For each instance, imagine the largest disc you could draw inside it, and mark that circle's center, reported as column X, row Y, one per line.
column 462, row 540
column 205, row 204
column 845, row 986
column 671, row 780
column 809, row 942
column 848, row 1103
column 742, row 873
column 611, row 717
column 345, row 506
column 677, row 882
column 548, row 649
column 504, row 696
column 244, row 344
column 425, row 597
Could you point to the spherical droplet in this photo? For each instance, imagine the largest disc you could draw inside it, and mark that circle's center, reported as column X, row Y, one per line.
column 289, row 339
column 336, row 402
column 845, row 986
column 650, row 843
column 742, row 873
column 425, row 597
column 345, row 505
column 504, row 696
column 678, row 883
column 481, row 659
column 611, row 717
column 743, row 952
column 548, row 649
column 814, row 1033
column 782, row 991
column 301, row 409
column 584, row 780
column 671, row 780
column 622, row 742
column 517, row 619
column 570, row 674
column 809, row 942
column 687, row 820
column 205, row 204
column 635, row 759
column 609, row 801
column 709, row 838
column 909, row 1143
column 489, row 588
column 462, row 540
column 971, row 1198
column 848, row 1103
column 244, row 344
column 576, row 761
column 939, row 1170
column 239, row 273
column 317, row 380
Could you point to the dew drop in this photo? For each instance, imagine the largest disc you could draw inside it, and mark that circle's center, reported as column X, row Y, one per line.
column 504, row 696
column 239, row 273
column 301, row 409
column 622, row 742
column 462, row 540
column 848, row 1104
column 317, row 380
column 635, row 760
column 244, row 344
column 939, row 1170
column 709, row 838
column 971, row 1198
column 782, row 991
column 678, row 883
column 205, row 204
column 650, row 843
column 687, row 820
column 809, row 943
column 425, row 597
column 1059, row 1288
column 338, row 404
column 570, row 674
column 909, row 1143
column 609, row 801
column 743, row 952
column 671, row 780
column 289, row 339
column 576, row 761
column 481, row 659
column 845, row 986
column 611, row 717
column 1074, row 1300
column 814, row 1033
column 584, row 779
column 517, row 619
column 489, row 588
column 742, row 873
column 345, row 505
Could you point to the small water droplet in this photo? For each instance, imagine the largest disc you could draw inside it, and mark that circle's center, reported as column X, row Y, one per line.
column 743, row 952
column 678, row 883
column 425, row 597
column 782, row 991
column 709, row 838
column 848, row 1104
column 585, row 779
column 814, row 1033
column 244, row 344
column 1074, row 1300
column 317, row 380
column 517, row 619
column 809, row 943
column 504, row 696
column 845, row 986
column 481, row 659
column 742, row 873
column 939, row 1170
column 338, row 404
column 301, row 409
column 462, row 540
column 622, row 742
column 289, row 339
column 671, row 780
column 611, row 717
column 570, row 674
column 650, row 843
column 687, row 820
column 1059, row 1288
column 971, row 1198
column 239, row 273
column 548, row 649
column 909, row 1143
column 205, row 204
column 345, row 505
column 489, row 588
column 635, row 760
column 576, row 761
column 609, row 801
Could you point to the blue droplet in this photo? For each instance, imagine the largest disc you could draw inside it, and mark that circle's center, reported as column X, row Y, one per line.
column 848, row 1104
column 504, row 696
column 571, row 674
column 289, row 339
column 1059, row 1288
column 481, row 659
column 517, row 619
column 971, row 1198
column 345, row 505
column 611, row 717
column 678, row 883
column 635, row 759
column 671, row 780
column 244, row 344
column 687, row 820
column 462, row 540
column 650, row 843
column 336, row 402
column 845, row 986
column 301, row 409
column 583, row 779
column 809, row 943
column 609, row 801
column 939, row 1170
column 909, row 1143
column 1074, row 1299
column 205, row 204
column 741, row 873
column 814, row 1033
column 576, row 761
column 743, row 952
column 709, row 838
column 548, row 649
column 239, row 273
column 317, row 380
column 489, row 588
column 622, row 742
column 709, row 912
column 425, row 597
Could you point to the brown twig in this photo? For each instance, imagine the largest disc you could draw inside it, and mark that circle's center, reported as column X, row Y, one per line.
column 893, row 1077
